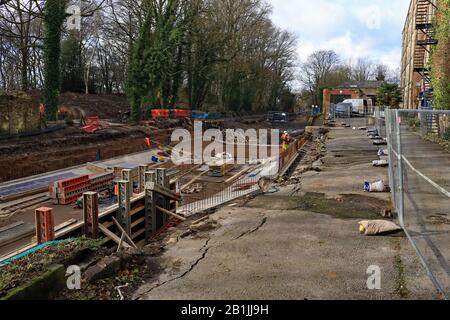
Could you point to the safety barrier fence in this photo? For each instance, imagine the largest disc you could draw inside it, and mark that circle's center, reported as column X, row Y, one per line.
column 419, row 173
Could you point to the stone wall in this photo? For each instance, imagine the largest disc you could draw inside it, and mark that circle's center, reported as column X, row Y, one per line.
column 18, row 113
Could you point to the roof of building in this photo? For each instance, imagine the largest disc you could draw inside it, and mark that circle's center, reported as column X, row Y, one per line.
column 361, row 84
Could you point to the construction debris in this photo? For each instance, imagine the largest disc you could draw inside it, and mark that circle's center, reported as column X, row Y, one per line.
column 244, row 186
column 221, row 165
column 195, row 188
column 381, row 142
column 106, row 267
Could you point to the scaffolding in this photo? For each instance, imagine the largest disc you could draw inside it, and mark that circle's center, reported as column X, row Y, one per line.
column 425, row 12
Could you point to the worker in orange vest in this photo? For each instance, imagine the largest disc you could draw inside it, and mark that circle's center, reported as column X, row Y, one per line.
column 42, row 115
column 286, row 140
column 148, row 142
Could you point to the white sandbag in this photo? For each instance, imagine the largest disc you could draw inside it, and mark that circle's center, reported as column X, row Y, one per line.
column 318, row 164
column 378, row 186
column 380, row 163
column 375, row 227
column 270, row 170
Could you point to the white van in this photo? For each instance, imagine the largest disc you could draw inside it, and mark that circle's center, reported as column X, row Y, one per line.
column 361, row 106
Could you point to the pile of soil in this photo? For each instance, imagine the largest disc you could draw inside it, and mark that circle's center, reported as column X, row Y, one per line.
column 23, row 157
column 105, row 106
column 32, row 156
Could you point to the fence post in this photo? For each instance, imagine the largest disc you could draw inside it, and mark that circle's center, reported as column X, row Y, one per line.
column 401, row 199
column 389, row 141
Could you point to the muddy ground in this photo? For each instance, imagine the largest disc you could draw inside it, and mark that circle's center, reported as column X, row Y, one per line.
column 23, row 157
column 28, row 156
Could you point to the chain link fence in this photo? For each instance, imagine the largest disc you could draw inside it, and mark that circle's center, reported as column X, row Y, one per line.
column 418, row 146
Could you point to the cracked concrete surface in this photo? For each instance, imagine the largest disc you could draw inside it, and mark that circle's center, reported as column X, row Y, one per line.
column 267, row 250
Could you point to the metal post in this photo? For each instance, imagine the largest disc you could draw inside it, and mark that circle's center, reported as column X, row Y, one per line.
column 127, row 176
column 90, row 212
column 123, row 214
column 149, row 176
column 150, row 206
column 163, row 181
column 150, row 212
column 141, row 177
column 391, row 164
column 401, row 199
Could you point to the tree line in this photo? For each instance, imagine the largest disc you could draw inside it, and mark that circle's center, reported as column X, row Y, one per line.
column 221, row 54
column 326, row 69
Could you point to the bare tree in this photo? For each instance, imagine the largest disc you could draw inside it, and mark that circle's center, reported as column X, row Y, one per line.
column 362, row 70
column 315, row 72
column 18, row 20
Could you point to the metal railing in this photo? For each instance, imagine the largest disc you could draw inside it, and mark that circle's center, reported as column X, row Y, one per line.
column 205, row 198
column 419, row 176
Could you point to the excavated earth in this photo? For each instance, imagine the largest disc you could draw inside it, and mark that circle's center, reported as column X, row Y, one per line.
column 23, row 157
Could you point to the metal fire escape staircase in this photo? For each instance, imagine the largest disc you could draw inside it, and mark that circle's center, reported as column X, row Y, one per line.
column 425, row 40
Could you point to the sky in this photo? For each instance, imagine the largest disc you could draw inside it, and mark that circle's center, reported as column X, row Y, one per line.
column 355, row 29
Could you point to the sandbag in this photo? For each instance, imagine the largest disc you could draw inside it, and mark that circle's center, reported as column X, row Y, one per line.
column 380, row 163
column 375, row 227
column 378, row 186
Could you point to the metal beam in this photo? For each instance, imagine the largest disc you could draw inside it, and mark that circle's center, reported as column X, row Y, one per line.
column 141, row 177
column 123, row 214
column 127, row 176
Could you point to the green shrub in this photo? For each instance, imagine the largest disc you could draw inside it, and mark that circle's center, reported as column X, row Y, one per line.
column 447, row 135
column 414, row 123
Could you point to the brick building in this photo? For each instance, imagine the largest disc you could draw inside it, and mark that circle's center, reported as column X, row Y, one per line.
column 350, row 90
column 418, row 41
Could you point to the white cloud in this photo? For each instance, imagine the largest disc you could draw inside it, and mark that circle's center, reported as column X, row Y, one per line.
column 353, row 28
column 295, row 15
column 371, row 16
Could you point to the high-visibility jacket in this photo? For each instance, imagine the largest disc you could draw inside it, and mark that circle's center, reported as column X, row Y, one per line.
column 286, row 138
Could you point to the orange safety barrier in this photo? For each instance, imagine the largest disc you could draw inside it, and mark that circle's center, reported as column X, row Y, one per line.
column 180, row 113
column 161, row 114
